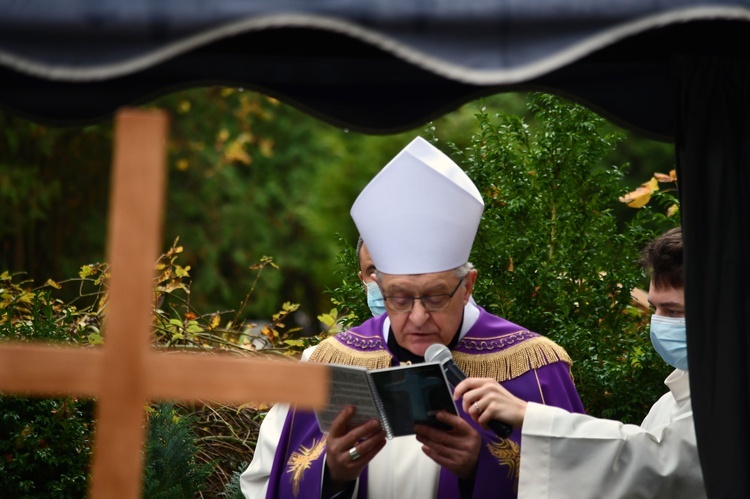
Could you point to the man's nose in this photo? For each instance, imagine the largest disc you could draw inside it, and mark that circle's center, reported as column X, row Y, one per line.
column 418, row 314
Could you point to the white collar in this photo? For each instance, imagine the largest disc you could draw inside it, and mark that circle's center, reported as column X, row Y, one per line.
column 679, row 384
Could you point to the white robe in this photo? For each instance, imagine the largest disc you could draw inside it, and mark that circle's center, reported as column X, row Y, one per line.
column 566, row 455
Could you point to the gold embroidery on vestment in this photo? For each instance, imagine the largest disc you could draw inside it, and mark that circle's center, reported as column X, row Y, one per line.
column 507, row 453
column 300, row 461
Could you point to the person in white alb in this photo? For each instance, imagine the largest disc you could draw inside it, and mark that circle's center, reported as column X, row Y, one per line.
column 567, row 455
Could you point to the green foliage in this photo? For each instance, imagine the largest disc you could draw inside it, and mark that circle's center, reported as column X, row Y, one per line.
column 550, row 253
column 45, row 445
column 233, row 490
column 172, row 469
column 250, row 176
column 349, row 296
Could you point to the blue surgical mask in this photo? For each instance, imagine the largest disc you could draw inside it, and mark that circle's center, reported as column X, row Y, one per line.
column 668, row 335
column 375, row 299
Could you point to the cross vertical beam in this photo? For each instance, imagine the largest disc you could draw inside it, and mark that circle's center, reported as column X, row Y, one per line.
column 138, row 184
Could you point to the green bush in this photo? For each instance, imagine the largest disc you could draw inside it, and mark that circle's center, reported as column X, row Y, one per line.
column 45, row 444
column 551, row 255
column 172, row 470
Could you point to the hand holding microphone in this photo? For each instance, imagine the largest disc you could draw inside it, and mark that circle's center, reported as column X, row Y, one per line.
column 478, row 388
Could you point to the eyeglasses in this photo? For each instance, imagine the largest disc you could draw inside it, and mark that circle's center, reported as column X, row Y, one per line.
column 431, row 303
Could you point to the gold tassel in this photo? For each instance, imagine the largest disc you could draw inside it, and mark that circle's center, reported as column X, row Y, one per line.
column 330, row 351
column 512, row 362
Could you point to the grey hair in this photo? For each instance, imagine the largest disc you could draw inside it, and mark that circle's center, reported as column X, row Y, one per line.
column 360, row 242
column 461, row 271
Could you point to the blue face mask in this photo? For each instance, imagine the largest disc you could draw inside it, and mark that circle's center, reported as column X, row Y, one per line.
column 375, row 299
column 668, row 335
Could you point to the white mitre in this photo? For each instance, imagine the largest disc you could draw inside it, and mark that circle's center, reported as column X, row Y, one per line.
column 420, row 214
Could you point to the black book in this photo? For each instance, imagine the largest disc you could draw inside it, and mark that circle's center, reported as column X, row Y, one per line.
column 399, row 397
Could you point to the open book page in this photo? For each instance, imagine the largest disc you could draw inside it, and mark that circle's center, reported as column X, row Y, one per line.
column 349, row 386
column 413, row 394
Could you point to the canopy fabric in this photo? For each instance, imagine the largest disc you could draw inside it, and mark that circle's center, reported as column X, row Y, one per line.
column 413, row 60
column 713, row 159
column 671, row 69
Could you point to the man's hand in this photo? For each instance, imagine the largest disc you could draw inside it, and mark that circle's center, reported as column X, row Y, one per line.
column 367, row 439
column 485, row 399
column 456, row 449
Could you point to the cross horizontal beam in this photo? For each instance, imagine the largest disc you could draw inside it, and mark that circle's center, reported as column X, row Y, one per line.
column 49, row 370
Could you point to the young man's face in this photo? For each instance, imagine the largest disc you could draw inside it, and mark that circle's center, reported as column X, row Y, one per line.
column 667, row 302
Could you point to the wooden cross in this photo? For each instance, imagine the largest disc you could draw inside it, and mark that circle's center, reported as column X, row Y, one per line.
column 126, row 373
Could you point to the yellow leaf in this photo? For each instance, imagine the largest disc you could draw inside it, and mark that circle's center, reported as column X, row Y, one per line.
column 642, row 195
column 673, row 210
column 235, row 151
column 95, row 339
column 52, row 283
column 652, row 184
column 663, row 177
column 182, row 271
column 26, row 298
column 673, row 175
column 5, row 276
column 327, row 319
column 215, row 321
column 266, row 147
column 85, row 271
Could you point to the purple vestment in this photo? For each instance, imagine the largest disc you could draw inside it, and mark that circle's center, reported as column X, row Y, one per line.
column 527, row 364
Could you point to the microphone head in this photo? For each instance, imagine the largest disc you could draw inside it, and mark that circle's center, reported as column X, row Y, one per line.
column 437, row 352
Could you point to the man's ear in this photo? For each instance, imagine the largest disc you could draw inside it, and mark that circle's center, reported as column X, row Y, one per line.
column 469, row 281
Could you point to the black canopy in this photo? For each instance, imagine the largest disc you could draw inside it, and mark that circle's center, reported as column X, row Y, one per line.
column 676, row 70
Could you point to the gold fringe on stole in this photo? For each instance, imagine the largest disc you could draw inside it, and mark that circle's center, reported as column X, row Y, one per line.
column 512, row 362
column 331, row 351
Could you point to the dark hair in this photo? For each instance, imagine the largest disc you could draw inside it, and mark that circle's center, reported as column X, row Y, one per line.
column 663, row 258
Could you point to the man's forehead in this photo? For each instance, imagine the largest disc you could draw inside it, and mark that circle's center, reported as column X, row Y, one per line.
column 417, row 280
column 666, row 295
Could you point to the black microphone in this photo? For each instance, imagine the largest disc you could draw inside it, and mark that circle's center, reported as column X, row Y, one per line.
column 440, row 353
